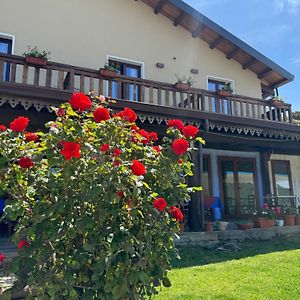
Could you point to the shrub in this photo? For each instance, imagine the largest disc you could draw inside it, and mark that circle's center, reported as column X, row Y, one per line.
column 96, row 206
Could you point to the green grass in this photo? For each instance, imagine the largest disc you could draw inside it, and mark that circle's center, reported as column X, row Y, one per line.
column 261, row 271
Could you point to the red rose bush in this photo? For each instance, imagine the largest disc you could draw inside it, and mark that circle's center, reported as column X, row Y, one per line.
column 97, row 201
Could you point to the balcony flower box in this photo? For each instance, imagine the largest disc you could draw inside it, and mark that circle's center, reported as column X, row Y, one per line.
column 37, row 61
column 108, row 73
column 182, row 86
column 289, row 220
column 264, row 222
column 224, row 93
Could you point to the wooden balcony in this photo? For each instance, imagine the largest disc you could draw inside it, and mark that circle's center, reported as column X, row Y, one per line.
column 57, row 81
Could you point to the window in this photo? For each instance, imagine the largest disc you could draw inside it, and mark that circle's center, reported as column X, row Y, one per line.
column 282, row 179
column 126, row 91
column 6, row 48
column 215, row 85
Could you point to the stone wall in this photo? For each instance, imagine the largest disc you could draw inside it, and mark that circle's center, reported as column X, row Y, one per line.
column 207, row 239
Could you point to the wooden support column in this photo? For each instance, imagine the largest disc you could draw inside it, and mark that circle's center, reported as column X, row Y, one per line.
column 197, row 205
column 266, row 179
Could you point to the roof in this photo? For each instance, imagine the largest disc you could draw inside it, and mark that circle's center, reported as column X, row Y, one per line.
column 268, row 72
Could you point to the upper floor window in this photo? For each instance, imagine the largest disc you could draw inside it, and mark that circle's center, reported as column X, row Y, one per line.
column 215, row 84
column 6, row 48
column 126, row 91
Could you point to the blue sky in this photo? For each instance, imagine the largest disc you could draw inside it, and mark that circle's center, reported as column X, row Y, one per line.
column 270, row 26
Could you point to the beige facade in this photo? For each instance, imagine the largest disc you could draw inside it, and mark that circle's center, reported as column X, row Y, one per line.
column 85, row 33
column 295, row 170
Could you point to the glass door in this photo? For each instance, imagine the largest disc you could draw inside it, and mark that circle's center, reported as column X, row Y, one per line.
column 6, row 48
column 238, row 185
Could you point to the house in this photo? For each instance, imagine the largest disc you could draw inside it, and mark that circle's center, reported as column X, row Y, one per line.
column 253, row 146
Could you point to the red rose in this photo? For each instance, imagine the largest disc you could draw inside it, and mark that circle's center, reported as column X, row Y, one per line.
column 176, row 213
column 120, row 194
column 180, row 161
column 19, row 124
column 134, row 128
column 153, row 136
column 180, row 146
column 127, row 114
column 80, row 101
column 70, row 150
column 60, row 112
column 117, row 163
column 190, row 131
column 3, row 127
column 117, row 152
column 138, row 168
column 157, row 148
column 146, row 136
column 22, row 244
column 160, row 204
column 101, row 114
column 25, row 162
column 31, row 137
column 104, row 148
column 176, row 124
column 2, row 257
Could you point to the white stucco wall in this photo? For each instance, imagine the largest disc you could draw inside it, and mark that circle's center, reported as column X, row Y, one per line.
column 83, row 33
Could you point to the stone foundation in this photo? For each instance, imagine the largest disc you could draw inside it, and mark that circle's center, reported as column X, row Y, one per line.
column 206, row 239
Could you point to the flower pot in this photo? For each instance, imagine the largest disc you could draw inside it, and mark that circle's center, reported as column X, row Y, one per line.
column 245, row 226
column 279, row 223
column 208, row 227
column 35, row 61
column 222, row 226
column 108, row 73
column 297, row 220
column 289, row 220
column 182, row 86
column 224, row 93
column 264, row 223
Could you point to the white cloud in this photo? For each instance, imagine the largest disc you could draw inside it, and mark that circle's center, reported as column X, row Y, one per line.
column 296, row 61
column 292, row 7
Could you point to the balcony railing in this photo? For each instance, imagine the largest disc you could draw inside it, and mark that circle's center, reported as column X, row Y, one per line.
column 61, row 77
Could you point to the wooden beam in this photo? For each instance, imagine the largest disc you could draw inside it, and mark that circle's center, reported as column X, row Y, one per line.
column 178, row 19
column 264, row 73
column 278, row 83
column 232, row 53
column 197, row 31
column 159, row 6
column 216, row 42
column 249, row 63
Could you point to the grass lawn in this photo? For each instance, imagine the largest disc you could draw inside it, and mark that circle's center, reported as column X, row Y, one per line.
column 262, row 270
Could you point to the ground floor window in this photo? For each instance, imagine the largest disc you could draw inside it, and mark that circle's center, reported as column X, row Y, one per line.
column 282, row 179
column 239, row 186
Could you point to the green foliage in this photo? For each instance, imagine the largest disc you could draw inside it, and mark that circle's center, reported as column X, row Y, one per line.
column 86, row 240
column 35, row 52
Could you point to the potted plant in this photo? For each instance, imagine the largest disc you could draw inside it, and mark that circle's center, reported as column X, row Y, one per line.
column 297, row 216
column 226, row 91
column 109, row 70
column 33, row 56
column 279, row 217
column 289, row 216
column 208, row 220
column 265, row 217
column 276, row 101
column 244, row 224
column 183, row 83
column 222, row 225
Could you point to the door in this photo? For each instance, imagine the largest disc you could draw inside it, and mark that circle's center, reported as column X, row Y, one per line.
column 6, row 48
column 238, row 185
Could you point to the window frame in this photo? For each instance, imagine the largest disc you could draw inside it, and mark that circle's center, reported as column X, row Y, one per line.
column 273, row 162
column 220, row 79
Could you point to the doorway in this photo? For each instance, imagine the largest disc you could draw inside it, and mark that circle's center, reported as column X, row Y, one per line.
column 239, row 186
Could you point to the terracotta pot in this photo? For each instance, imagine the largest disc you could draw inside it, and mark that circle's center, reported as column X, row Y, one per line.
column 289, row 220
column 208, row 227
column 108, row 73
column 224, row 93
column 264, row 223
column 297, row 220
column 245, row 226
column 35, row 61
column 182, row 86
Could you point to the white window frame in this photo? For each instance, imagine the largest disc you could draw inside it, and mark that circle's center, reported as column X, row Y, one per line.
column 11, row 37
column 226, row 80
